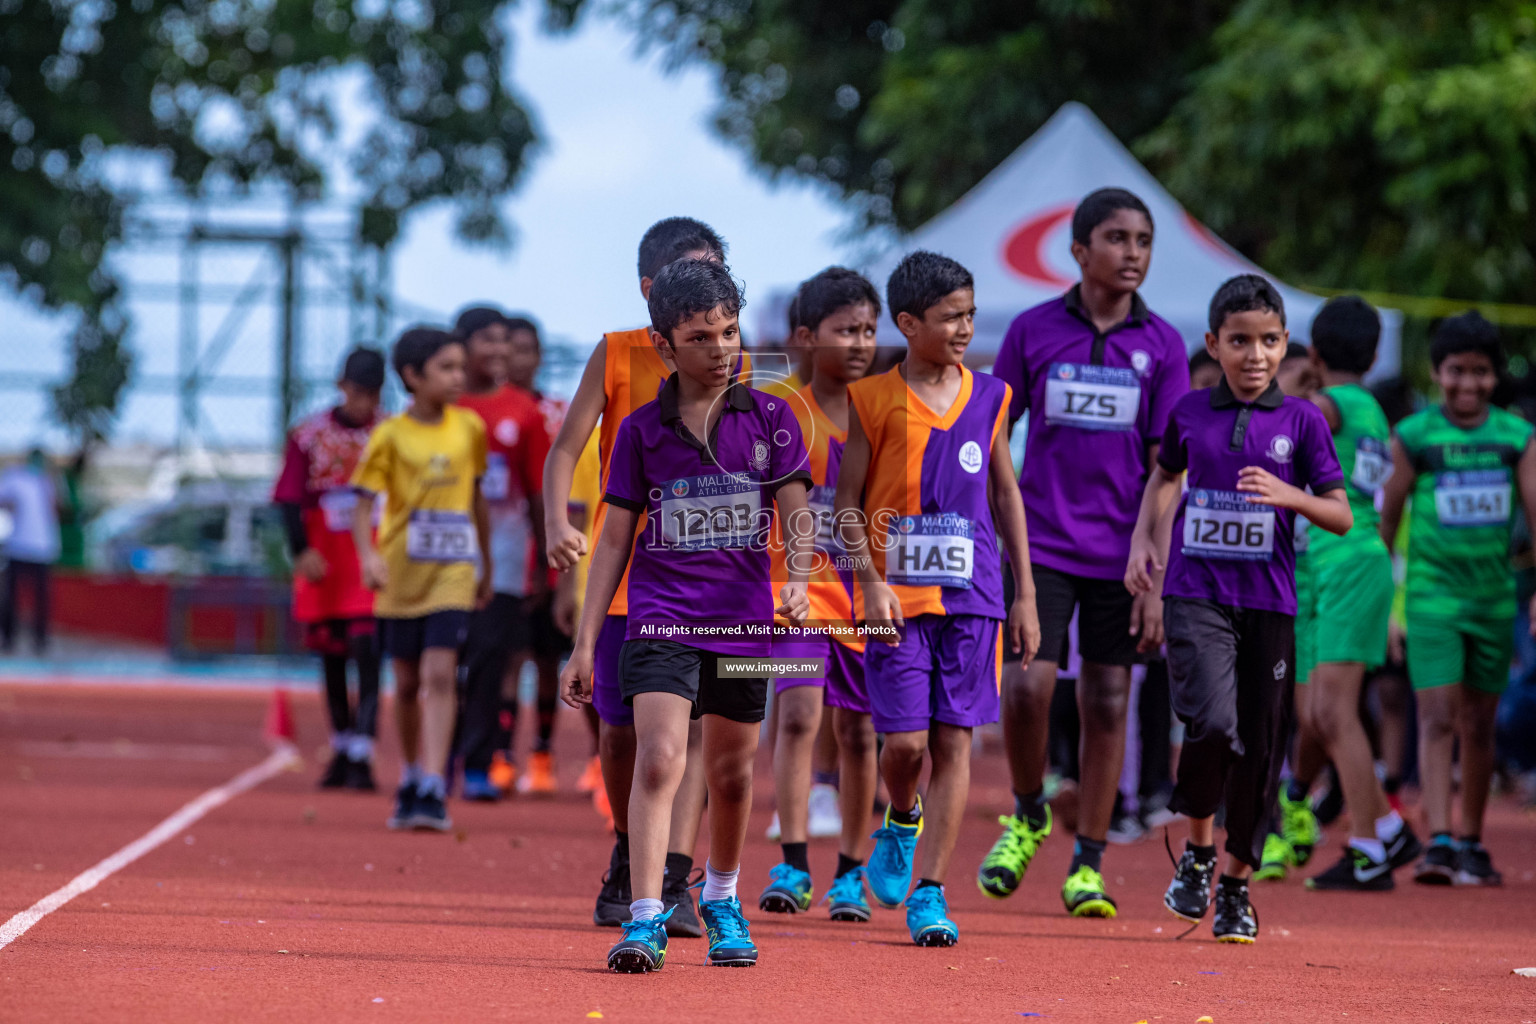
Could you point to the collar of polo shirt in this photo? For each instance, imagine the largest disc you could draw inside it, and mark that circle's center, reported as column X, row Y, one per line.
column 1223, row 398
column 1074, row 302
column 738, row 398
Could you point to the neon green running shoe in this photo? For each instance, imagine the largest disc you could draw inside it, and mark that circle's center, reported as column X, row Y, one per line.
column 1299, row 827
column 1084, row 895
column 1003, row 870
column 1278, row 858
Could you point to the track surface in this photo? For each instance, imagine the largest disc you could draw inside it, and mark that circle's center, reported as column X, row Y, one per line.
column 290, row 904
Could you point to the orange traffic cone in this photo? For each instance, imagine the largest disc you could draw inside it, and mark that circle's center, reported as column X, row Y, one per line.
column 280, row 730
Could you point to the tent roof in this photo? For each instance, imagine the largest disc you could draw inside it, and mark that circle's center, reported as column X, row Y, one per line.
column 1013, row 232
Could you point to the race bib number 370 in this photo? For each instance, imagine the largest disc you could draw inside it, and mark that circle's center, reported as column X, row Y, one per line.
column 432, row 535
column 1479, row 497
column 1225, row 524
column 1092, row 397
column 931, row 551
column 704, row 512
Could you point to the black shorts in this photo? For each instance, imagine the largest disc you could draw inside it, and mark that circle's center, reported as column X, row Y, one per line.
column 665, row 666
column 1103, row 617
column 407, row 638
column 536, row 631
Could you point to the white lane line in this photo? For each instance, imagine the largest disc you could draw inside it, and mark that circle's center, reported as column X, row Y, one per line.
column 84, row 882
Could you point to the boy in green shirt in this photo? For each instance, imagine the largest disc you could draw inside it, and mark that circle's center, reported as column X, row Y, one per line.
column 1460, row 462
column 1343, row 625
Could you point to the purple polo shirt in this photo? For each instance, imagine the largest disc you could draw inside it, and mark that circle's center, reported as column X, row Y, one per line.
column 699, row 574
column 1096, row 403
column 1224, row 548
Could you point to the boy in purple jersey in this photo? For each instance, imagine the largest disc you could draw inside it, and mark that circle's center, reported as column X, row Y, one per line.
column 1230, row 588
column 1097, row 373
column 705, row 460
column 924, row 494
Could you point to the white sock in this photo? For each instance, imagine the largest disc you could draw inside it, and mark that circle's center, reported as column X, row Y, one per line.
column 1388, row 826
column 360, row 747
column 718, row 885
column 1372, row 848
column 410, row 774
column 644, row 910
column 431, row 785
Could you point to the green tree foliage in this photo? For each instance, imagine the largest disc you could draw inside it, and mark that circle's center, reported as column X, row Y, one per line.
column 903, row 105
column 1383, row 145
column 232, row 93
column 1386, row 145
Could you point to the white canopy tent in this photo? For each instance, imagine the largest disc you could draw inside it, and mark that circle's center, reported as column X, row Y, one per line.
column 1013, row 232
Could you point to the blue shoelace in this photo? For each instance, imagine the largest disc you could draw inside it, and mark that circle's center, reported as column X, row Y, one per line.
column 928, row 898
column 728, row 923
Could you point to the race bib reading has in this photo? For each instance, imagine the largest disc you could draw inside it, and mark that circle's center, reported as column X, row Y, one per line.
column 703, row 512
column 1092, row 397
column 432, row 535
column 1479, row 497
column 497, row 480
column 930, row 551
column 1225, row 524
column 337, row 508
column 1373, row 463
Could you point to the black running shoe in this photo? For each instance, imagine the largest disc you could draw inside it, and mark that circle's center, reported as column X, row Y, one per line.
column 1356, row 871
column 1438, row 865
column 683, row 918
column 1403, row 847
column 1475, row 867
column 1235, row 918
column 335, row 776
column 431, row 813
column 614, row 898
column 360, row 776
column 405, row 807
column 1189, row 894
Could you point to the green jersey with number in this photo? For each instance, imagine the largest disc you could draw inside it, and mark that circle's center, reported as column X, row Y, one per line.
column 1363, row 442
column 1463, row 508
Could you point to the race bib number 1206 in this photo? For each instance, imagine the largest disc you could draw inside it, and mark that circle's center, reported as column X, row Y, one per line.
column 1225, row 524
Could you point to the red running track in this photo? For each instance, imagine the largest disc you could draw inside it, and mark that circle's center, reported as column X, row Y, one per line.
column 290, row 904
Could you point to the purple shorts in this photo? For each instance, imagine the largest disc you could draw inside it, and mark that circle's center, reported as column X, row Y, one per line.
column 607, row 696
column 945, row 669
column 844, row 680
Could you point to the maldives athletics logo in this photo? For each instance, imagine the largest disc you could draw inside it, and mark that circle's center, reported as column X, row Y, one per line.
column 1202, row 499
column 1066, row 371
column 680, row 488
column 907, row 524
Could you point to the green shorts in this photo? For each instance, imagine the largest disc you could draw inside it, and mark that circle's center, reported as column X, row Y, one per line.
column 1306, row 618
column 1345, row 618
column 1477, row 652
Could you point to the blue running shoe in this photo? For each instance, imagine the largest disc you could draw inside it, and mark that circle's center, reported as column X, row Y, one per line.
column 890, row 863
column 847, row 897
column 730, row 939
column 643, row 948
column 927, row 920
column 478, row 787
column 789, row 891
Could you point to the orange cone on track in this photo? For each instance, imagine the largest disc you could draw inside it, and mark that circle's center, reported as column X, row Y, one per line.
column 280, row 729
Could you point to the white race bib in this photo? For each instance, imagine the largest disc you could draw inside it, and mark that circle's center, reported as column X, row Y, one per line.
column 930, row 551
column 1302, row 537
column 821, row 505
column 1225, row 524
column 337, row 507
column 1479, row 497
column 1092, row 397
column 706, row 512
column 496, row 483
column 432, row 535
column 1373, row 464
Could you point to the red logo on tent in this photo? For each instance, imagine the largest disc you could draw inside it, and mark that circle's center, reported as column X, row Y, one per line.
column 1021, row 252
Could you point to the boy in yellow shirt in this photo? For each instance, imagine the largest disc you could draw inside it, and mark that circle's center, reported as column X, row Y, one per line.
column 428, row 463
